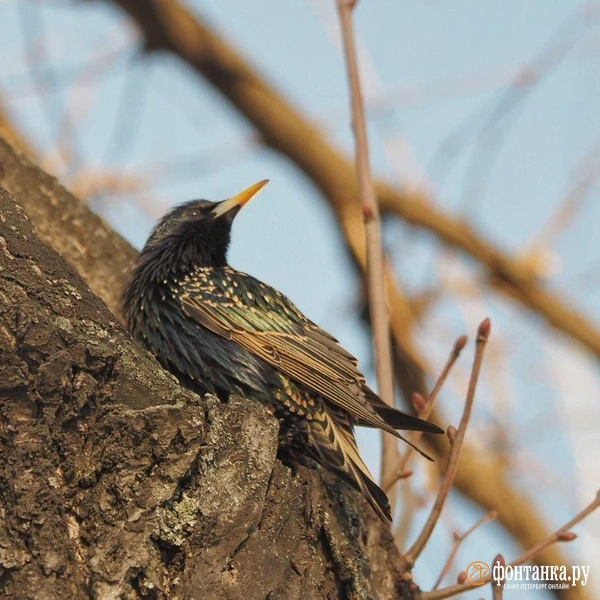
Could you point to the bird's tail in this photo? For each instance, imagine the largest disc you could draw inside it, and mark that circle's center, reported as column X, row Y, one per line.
column 396, row 418
column 336, row 450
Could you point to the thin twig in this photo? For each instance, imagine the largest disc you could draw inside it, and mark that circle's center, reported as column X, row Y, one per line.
column 498, row 590
column 563, row 534
column 456, row 437
column 458, row 540
column 423, row 408
column 372, row 226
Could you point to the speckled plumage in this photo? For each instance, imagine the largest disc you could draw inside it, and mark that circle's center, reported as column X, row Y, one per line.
column 222, row 331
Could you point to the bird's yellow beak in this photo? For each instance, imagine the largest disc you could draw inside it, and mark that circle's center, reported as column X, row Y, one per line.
column 240, row 200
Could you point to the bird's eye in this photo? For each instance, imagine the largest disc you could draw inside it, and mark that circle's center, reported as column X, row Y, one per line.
column 195, row 213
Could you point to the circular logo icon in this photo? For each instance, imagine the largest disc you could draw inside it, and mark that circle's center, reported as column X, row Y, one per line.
column 476, row 571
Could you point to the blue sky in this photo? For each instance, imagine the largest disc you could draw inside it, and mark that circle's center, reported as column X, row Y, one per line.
column 442, row 68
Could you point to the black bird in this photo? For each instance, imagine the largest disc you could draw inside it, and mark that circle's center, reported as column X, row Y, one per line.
column 222, row 331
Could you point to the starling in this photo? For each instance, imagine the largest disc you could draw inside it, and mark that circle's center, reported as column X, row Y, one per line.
column 222, row 331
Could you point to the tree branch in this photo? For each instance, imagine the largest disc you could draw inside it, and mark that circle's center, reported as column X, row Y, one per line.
column 456, row 437
column 375, row 275
column 563, row 534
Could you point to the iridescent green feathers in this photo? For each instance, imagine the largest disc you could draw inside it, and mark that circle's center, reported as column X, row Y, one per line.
column 263, row 321
column 225, row 332
column 260, row 319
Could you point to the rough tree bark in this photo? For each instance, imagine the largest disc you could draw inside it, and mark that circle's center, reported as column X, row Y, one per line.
column 117, row 482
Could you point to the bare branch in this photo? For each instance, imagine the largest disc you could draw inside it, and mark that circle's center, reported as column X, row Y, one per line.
column 498, row 590
column 423, row 408
column 456, row 437
column 563, row 534
column 380, row 324
column 492, row 515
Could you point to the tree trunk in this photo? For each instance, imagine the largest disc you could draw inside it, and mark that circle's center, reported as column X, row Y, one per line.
column 116, row 482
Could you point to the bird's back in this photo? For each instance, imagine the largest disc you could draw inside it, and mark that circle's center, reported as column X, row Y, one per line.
column 224, row 331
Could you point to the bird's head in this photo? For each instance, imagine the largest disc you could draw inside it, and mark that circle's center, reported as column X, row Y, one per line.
column 196, row 233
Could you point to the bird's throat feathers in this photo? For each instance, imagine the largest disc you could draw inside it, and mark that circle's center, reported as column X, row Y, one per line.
column 170, row 257
column 183, row 252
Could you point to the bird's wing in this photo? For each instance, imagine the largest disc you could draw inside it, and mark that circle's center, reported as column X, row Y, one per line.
column 264, row 322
